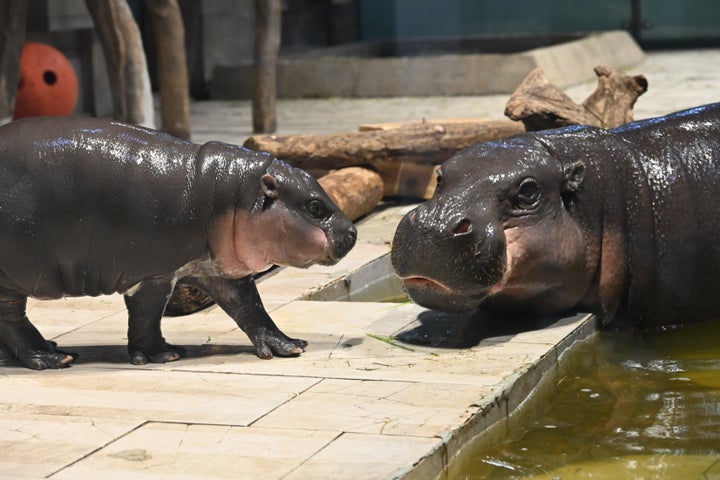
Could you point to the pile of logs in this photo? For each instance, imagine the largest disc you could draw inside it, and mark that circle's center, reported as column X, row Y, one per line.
column 400, row 159
column 404, row 155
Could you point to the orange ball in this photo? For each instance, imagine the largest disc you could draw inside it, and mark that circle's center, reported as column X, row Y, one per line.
column 48, row 83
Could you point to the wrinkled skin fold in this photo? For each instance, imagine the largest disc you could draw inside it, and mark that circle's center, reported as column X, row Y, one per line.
column 92, row 207
column 621, row 223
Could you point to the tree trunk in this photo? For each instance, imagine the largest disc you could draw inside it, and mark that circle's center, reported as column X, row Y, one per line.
column 172, row 66
column 13, row 17
column 125, row 59
column 268, row 18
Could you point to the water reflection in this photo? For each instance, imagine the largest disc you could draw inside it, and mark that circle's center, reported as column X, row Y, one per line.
column 624, row 405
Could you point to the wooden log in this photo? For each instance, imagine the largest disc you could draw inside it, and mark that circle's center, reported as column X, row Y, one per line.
column 419, row 143
column 172, row 66
column 125, row 61
column 404, row 157
column 368, row 127
column 13, row 15
column 268, row 18
column 540, row 104
column 613, row 100
column 355, row 190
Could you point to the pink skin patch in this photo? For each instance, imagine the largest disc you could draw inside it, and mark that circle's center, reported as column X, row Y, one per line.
column 424, row 282
column 244, row 243
column 551, row 269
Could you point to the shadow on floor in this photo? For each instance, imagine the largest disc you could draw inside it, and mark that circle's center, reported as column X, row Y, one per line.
column 118, row 354
column 465, row 330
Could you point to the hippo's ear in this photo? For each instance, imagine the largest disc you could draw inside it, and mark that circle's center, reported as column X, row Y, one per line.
column 574, row 174
column 269, row 186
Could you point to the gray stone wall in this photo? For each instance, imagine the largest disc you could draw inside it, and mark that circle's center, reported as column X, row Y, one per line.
column 228, row 33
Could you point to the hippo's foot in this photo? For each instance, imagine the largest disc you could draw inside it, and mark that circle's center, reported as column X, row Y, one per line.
column 273, row 342
column 162, row 353
column 6, row 356
column 52, row 357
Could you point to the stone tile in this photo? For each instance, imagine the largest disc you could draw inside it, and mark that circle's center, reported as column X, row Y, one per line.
column 37, row 445
column 361, row 254
column 141, row 394
column 104, row 340
column 549, row 335
column 355, row 354
column 57, row 317
column 288, row 284
column 365, row 457
column 390, row 408
column 380, row 229
column 159, row 450
column 112, row 303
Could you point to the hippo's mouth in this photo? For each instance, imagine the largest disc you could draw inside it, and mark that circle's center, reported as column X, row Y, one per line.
column 435, row 295
column 329, row 260
column 415, row 282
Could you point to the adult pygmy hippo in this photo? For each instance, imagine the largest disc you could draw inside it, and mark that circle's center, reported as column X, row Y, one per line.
column 623, row 223
column 91, row 206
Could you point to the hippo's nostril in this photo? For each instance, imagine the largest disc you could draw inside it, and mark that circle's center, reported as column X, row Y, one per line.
column 463, row 228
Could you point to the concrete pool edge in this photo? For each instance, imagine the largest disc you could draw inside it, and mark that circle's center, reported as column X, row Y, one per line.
column 494, row 412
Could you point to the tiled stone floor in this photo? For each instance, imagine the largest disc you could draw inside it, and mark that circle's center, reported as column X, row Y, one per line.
column 352, row 406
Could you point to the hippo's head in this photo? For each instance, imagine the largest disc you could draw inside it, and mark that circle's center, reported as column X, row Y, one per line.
column 498, row 231
column 292, row 222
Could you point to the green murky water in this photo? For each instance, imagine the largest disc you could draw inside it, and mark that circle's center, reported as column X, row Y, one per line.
column 624, row 405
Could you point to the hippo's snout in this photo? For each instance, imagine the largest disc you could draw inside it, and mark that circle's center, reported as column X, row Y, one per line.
column 341, row 244
column 447, row 259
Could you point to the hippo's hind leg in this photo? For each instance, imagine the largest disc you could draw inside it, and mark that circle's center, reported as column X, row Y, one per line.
column 186, row 300
column 145, row 309
column 240, row 299
column 19, row 339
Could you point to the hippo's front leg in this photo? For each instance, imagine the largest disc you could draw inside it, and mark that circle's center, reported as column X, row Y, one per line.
column 240, row 299
column 145, row 309
column 20, row 339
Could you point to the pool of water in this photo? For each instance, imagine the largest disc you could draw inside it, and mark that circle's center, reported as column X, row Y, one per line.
column 622, row 405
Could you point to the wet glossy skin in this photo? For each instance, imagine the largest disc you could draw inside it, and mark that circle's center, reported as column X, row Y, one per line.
column 90, row 207
column 620, row 222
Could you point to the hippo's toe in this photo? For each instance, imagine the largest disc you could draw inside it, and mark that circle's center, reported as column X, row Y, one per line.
column 269, row 343
column 53, row 357
column 163, row 354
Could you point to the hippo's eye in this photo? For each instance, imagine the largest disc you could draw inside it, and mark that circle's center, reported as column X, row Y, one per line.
column 528, row 193
column 317, row 209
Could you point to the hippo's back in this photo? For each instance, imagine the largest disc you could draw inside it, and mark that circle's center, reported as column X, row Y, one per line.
column 82, row 199
column 673, row 181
